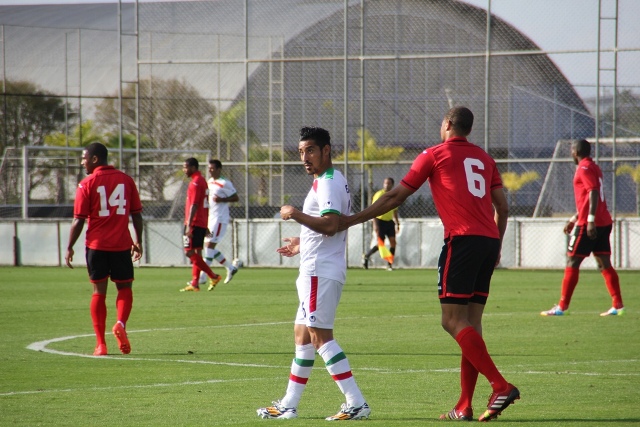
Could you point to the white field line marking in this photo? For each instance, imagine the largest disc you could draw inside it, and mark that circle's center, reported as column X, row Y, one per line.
column 42, row 346
column 186, row 383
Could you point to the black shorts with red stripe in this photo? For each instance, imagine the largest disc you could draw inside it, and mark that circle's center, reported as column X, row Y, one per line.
column 196, row 241
column 580, row 245
column 104, row 264
column 465, row 268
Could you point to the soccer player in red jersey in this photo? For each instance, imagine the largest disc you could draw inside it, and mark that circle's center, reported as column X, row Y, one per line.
column 589, row 229
column 467, row 192
column 196, row 216
column 105, row 199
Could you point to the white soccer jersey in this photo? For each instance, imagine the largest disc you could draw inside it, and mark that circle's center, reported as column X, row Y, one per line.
column 320, row 255
column 221, row 187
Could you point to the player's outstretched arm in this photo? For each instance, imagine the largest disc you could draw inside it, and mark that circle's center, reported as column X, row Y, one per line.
column 326, row 224
column 388, row 201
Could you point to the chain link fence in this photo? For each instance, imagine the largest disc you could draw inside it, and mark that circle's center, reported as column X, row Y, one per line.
column 236, row 79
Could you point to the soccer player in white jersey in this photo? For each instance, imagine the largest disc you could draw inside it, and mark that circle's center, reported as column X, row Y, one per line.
column 322, row 275
column 221, row 193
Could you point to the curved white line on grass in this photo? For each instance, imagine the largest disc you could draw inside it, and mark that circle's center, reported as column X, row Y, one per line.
column 42, row 346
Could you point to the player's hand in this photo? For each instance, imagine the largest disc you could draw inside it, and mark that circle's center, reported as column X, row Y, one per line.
column 68, row 258
column 291, row 249
column 592, row 232
column 287, row 211
column 136, row 251
column 208, row 233
column 569, row 227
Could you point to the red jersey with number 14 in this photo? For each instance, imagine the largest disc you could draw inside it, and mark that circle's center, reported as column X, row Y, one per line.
column 461, row 176
column 105, row 199
column 588, row 177
column 197, row 194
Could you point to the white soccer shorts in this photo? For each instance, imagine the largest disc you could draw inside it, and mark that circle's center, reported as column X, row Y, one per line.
column 218, row 230
column 319, row 298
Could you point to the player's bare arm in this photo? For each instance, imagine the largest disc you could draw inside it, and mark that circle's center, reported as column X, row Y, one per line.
column 594, row 196
column 292, row 247
column 568, row 228
column 501, row 214
column 326, row 224
column 136, row 249
column 233, row 198
column 388, row 201
column 501, row 206
column 189, row 227
column 76, row 229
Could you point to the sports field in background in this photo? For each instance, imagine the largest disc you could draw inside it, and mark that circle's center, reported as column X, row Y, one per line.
column 212, row 358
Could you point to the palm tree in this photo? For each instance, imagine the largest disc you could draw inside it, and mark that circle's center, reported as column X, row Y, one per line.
column 372, row 152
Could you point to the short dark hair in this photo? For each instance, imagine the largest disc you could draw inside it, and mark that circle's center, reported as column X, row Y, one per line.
column 192, row 161
column 216, row 163
column 461, row 119
column 391, row 179
column 99, row 150
column 320, row 136
column 583, row 147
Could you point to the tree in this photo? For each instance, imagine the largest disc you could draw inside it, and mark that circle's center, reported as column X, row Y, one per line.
column 30, row 114
column 634, row 173
column 229, row 125
column 173, row 116
column 81, row 136
column 372, row 152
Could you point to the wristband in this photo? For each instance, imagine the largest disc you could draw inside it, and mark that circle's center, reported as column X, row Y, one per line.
column 573, row 219
column 591, row 218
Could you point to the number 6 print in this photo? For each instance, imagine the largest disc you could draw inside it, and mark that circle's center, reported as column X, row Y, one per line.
column 475, row 181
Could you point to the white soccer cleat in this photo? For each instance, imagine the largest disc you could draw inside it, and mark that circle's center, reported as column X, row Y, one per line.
column 277, row 411
column 351, row 413
column 230, row 273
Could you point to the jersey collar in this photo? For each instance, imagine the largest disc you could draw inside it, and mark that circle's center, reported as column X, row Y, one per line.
column 328, row 174
column 457, row 140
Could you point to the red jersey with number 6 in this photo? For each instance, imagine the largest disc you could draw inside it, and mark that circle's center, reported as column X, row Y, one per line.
column 197, row 194
column 461, row 176
column 588, row 178
column 105, row 199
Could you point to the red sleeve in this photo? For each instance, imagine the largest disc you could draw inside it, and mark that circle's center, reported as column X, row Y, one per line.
column 192, row 194
column 420, row 170
column 81, row 205
column 589, row 179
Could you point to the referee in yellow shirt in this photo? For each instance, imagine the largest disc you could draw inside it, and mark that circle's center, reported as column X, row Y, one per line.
column 385, row 226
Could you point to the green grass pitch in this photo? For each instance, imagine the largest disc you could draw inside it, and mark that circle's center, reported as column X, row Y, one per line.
column 212, row 358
